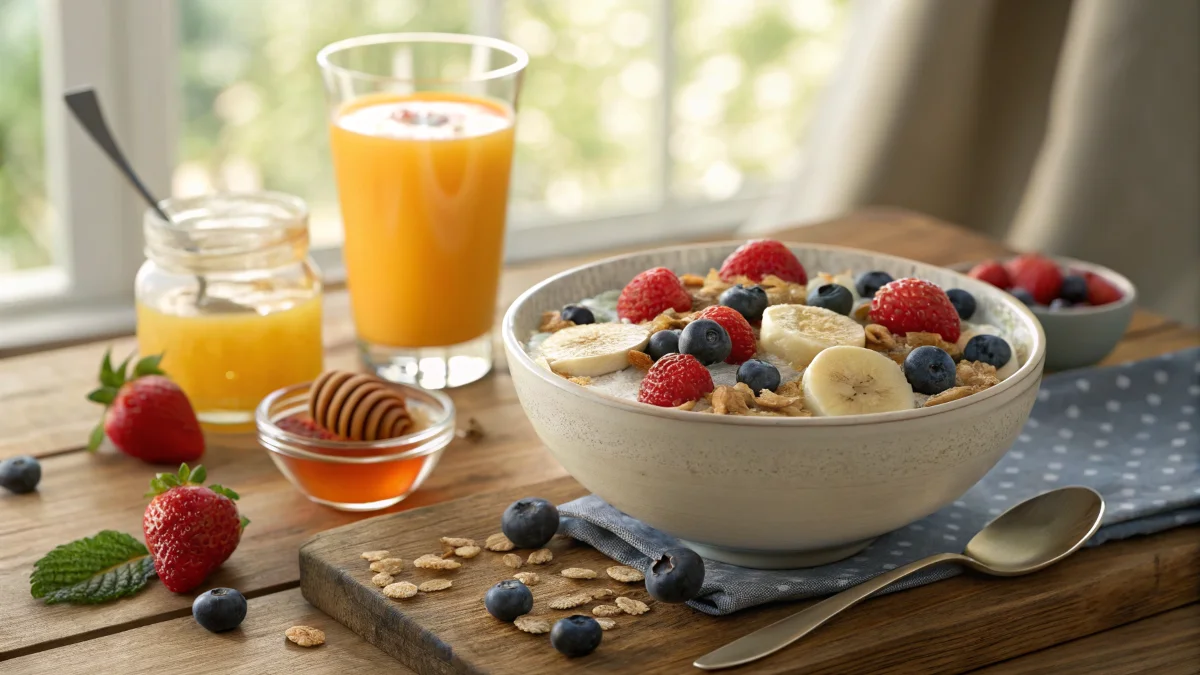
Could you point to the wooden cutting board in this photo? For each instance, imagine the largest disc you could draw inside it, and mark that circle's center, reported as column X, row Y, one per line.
column 948, row 627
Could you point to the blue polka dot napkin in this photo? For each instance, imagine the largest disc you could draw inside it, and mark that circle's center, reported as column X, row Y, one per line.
column 1127, row 431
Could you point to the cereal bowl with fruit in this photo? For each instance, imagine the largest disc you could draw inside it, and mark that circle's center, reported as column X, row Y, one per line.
column 773, row 405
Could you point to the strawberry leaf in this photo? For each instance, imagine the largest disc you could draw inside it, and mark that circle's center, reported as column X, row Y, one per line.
column 222, row 490
column 96, row 438
column 108, row 377
column 184, row 473
column 199, row 474
column 95, row 569
column 148, row 366
column 245, row 522
column 104, row 395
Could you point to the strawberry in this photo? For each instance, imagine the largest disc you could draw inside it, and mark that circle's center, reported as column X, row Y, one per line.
column 738, row 328
column 303, row 425
column 190, row 529
column 993, row 273
column 1099, row 290
column 651, row 293
column 147, row 416
column 1040, row 276
column 915, row 306
column 674, row 380
column 760, row 257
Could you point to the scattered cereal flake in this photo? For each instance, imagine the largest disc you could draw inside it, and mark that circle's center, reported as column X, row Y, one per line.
column 639, row 360
column 625, row 574
column 795, row 388
column 631, row 606
column 553, row 322
column 388, row 565
column 952, row 394
column 602, row 593
column 540, row 557
column 728, row 401
column 455, row 542
column 512, row 560
column 572, row 600
column 771, row 401
column 669, row 320
column 430, row 561
column 532, row 624
column 400, row 590
column 527, row 578
column 382, row 579
column 581, row 380
column 467, row 551
column 473, row 431
column 374, row 556
column 305, row 636
column 578, row 573
column 975, row 374
column 498, row 542
column 686, row 406
column 920, row 339
column 879, row 338
column 434, row 585
column 691, row 279
column 606, row 610
column 606, row 623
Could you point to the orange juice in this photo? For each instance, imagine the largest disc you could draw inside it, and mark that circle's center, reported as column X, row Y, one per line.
column 423, row 184
column 227, row 363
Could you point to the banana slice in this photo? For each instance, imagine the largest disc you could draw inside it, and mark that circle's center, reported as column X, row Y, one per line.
column 855, row 381
column 1003, row 372
column 844, row 279
column 797, row 333
column 593, row 349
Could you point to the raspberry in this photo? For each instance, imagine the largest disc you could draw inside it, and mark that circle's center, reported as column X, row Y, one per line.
column 738, row 328
column 674, row 380
column 915, row 306
column 651, row 293
column 1040, row 276
column 1099, row 290
column 993, row 273
column 760, row 257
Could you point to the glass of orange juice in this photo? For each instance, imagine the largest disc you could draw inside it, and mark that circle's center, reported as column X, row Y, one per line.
column 421, row 128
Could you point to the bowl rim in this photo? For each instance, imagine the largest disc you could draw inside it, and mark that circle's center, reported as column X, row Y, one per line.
column 1128, row 290
column 1030, row 370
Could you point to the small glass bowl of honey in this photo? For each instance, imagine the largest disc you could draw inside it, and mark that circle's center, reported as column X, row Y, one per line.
column 355, row 475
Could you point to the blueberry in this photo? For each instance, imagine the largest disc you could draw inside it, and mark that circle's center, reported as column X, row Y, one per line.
column 964, row 303
column 676, row 576
column 749, row 301
column 20, row 474
column 835, row 297
column 989, row 349
column 1024, row 296
column 706, row 340
column 929, row 370
column 219, row 609
column 758, row 375
column 868, row 283
column 1074, row 289
column 508, row 599
column 1060, row 303
column 529, row 522
column 662, row 343
column 577, row 314
column 576, row 635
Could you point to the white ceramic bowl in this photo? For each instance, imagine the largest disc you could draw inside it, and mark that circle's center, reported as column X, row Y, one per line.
column 771, row 492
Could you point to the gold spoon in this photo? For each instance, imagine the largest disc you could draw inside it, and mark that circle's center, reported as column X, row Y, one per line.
column 1032, row 535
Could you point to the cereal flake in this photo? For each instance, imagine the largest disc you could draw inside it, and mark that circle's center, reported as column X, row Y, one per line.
column 540, row 557
column 606, row 610
column 455, row 542
column 793, row 389
column 527, row 578
column 602, row 593
column 631, row 606
column 670, row 320
column 581, row 380
column 512, row 560
column 879, row 338
column 473, row 431
column 382, row 579
column 640, row 360
column 388, row 565
column 305, row 636
column 374, row 556
column 952, row 394
column 498, row 542
column 434, row 585
column 571, row 601
column 919, row 339
column 975, row 374
column 552, row 322
column 691, row 279
column 400, row 590
column 532, row 624
column 606, row 623
column 625, row 574
column 686, row 406
column 467, row 551
column 728, row 401
column 578, row 573
column 769, row 400
column 436, row 562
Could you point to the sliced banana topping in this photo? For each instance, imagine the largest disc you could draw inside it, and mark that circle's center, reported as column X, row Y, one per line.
column 797, row 333
column 855, row 381
column 593, row 349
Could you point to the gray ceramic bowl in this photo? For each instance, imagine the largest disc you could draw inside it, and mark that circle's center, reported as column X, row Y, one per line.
column 1077, row 337
column 771, row 492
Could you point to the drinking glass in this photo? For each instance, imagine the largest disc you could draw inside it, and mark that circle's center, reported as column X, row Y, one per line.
column 421, row 129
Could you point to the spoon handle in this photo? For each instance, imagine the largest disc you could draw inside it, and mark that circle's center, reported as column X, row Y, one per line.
column 768, row 640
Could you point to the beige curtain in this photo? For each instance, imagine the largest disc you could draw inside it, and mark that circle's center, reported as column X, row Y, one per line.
column 1062, row 126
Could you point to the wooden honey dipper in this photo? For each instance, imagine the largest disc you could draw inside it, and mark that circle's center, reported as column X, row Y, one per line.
column 357, row 406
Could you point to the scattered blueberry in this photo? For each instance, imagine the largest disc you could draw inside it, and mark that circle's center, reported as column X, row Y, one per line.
column 577, row 314
column 706, row 340
column 964, row 303
column 1061, row 303
column 834, row 297
column 749, row 301
column 1024, row 296
column 529, row 522
column 576, row 635
column 508, row 599
column 676, row 576
column 20, row 474
column 1074, row 289
column 662, row 343
column 989, row 349
column 929, row 370
column 758, row 375
column 868, row 283
column 219, row 609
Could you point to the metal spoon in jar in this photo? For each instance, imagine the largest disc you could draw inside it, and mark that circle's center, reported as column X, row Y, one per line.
column 1030, row 536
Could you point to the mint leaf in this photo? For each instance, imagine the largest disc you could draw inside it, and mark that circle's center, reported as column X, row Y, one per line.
column 94, row 569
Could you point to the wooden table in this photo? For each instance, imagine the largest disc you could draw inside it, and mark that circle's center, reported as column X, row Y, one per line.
column 45, row 414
